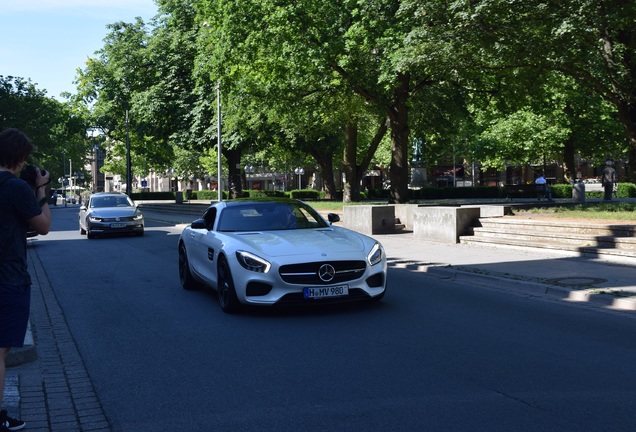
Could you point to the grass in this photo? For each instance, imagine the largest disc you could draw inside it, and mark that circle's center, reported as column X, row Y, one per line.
column 338, row 205
column 614, row 211
column 609, row 210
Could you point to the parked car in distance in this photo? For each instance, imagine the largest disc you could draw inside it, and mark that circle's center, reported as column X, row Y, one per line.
column 266, row 252
column 110, row 213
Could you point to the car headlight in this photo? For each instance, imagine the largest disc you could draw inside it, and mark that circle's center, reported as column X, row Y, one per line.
column 94, row 219
column 138, row 216
column 253, row 263
column 376, row 254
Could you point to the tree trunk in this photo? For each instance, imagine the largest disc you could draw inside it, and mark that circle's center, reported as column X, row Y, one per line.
column 233, row 157
column 328, row 183
column 569, row 168
column 398, row 114
column 325, row 161
column 350, row 164
column 627, row 114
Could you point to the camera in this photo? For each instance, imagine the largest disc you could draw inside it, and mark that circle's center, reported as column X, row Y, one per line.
column 30, row 175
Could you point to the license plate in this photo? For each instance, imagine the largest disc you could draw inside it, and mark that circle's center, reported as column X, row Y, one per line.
column 118, row 225
column 322, row 292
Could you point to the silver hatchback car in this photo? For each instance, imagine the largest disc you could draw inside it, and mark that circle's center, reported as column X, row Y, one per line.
column 110, row 213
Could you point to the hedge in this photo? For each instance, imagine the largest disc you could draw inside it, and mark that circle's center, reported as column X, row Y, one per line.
column 625, row 190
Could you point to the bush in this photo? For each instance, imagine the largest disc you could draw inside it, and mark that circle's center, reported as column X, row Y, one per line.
column 626, row 190
column 255, row 193
column 210, row 195
column 377, row 194
column 149, row 196
column 561, row 190
column 435, row 193
column 305, row 194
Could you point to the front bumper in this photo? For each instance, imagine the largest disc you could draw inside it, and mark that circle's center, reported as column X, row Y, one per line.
column 270, row 289
column 119, row 227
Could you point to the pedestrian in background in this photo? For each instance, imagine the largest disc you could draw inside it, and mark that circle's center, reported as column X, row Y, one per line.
column 609, row 179
column 542, row 181
column 24, row 205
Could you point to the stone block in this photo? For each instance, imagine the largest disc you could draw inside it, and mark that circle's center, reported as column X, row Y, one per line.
column 444, row 224
column 489, row 210
column 369, row 219
column 404, row 212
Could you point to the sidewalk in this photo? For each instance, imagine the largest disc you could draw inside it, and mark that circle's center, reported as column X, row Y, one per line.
column 540, row 272
column 54, row 393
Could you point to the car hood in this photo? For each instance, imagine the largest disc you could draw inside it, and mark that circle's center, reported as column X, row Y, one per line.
column 108, row 212
column 304, row 241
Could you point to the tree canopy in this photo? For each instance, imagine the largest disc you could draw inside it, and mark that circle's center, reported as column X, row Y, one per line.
column 349, row 84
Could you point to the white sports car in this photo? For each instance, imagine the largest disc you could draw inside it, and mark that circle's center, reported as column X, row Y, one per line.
column 278, row 252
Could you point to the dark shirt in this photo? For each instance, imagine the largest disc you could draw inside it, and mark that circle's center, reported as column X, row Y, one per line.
column 17, row 205
column 609, row 175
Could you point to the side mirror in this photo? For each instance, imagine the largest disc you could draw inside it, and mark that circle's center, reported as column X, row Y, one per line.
column 333, row 218
column 198, row 224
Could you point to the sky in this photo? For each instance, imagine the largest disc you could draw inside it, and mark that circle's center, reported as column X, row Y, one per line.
column 46, row 41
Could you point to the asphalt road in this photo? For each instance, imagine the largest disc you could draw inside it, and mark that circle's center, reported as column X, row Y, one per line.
column 432, row 356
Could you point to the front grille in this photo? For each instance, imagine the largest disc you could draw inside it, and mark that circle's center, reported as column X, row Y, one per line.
column 119, row 219
column 307, row 273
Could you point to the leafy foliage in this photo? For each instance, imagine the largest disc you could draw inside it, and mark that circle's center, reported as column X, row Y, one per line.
column 348, row 84
column 57, row 131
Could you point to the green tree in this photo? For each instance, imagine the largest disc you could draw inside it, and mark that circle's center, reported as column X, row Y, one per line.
column 346, row 46
column 57, row 130
column 592, row 41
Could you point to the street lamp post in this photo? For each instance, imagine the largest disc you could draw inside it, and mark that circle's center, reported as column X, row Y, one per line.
column 218, row 131
column 78, row 177
column 128, row 167
column 70, row 177
column 300, row 171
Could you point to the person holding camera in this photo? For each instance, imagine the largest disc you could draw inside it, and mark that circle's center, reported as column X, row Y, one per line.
column 24, row 198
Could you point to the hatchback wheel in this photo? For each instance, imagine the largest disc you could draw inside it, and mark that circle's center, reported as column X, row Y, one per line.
column 227, row 294
column 185, row 276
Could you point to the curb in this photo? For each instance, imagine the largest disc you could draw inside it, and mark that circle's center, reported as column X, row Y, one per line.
column 27, row 354
column 595, row 296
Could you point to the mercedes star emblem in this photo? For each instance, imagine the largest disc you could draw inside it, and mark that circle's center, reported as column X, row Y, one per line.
column 326, row 272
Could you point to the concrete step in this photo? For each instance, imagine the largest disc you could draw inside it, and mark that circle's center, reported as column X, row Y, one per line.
column 560, row 227
column 582, row 250
column 586, row 238
column 589, row 240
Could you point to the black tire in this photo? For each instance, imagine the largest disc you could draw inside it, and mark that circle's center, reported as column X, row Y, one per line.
column 185, row 276
column 90, row 235
column 227, row 293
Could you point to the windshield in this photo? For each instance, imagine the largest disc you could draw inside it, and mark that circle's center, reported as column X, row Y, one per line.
column 269, row 216
column 110, row 201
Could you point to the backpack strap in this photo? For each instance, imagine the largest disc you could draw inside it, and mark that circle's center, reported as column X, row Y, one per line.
column 5, row 247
